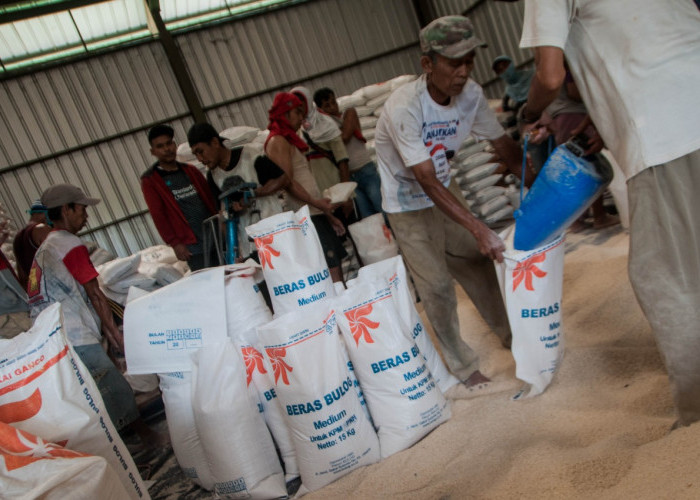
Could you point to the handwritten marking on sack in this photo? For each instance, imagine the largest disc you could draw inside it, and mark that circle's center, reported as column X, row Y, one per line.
column 17, row 411
column 265, row 250
column 525, row 270
column 20, row 448
column 253, row 360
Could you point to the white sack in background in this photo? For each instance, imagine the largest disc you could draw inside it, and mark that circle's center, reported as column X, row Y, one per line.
column 52, row 395
column 118, row 269
column 292, row 260
column 331, row 432
column 236, row 442
column 531, row 284
column 373, row 239
column 393, row 272
column 401, row 393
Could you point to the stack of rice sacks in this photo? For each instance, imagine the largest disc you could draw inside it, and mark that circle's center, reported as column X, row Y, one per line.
column 491, row 196
column 369, row 103
column 507, row 119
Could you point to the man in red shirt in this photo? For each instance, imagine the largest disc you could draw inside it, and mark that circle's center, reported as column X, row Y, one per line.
column 178, row 198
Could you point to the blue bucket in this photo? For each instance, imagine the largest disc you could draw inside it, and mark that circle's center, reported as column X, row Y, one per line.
column 567, row 184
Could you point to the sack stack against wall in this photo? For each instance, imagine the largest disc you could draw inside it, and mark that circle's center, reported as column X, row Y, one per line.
column 491, row 196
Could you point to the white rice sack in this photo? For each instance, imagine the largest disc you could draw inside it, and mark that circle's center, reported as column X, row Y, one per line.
column 51, row 471
column 238, row 136
column 531, row 285
column 119, row 298
column 369, row 136
column 118, row 269
column 487, row 193
column 184, row 153
column 341, row 192
column 52, row 395
column 237, row 445
column 467, row 151
column 393, row 272
column 100, row 256
column 401, row 393
column 292, row 260
column 350, row 101
column 474, row 161
column 499, row 215
column 166, row 274
column 367, row 122
column 373, row 239
column 245, row 310
column 137, row 279
column 378, row 101
column 481, row 172
column 331, row 432
column 163, row 328
column 378, row 111
column 176, row 389
column 469, row 141
column 162, row 254
column 486, row 182
column 372, row 91
column 398, row 81
column 363, row 111
column 491, row 206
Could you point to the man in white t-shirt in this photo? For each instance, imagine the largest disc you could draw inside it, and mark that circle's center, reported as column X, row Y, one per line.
column 422, row 125
column 637, row 67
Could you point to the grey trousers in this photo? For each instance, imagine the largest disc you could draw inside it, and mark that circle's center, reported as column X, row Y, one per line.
column 436, row 250
column 664, row 269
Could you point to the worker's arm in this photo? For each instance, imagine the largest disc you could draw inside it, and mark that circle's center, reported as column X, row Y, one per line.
column 101, row 305
column 351, row 122
column 548, row 79
column 489, row 243
column 511, row 154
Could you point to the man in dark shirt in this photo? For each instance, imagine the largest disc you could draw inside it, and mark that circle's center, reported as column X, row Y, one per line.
column 28, row 239
column 178, row 198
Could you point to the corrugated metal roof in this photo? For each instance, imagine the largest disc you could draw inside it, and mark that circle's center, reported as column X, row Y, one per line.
column 70, row 31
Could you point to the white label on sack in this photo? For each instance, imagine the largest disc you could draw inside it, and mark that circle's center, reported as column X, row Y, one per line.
column 531, row 284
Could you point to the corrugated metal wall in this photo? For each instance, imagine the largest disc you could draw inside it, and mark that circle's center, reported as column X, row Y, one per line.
column 85, row 122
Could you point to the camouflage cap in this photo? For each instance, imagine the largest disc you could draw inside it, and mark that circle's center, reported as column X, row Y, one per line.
column 449, row 36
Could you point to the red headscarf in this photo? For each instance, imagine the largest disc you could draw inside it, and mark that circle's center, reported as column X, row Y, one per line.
column 279, row 125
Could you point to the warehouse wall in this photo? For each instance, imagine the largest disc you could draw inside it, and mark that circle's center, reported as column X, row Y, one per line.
column 85, row 122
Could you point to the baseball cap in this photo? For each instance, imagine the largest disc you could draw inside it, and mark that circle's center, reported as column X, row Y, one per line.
column 449, row 36
column 62, row 194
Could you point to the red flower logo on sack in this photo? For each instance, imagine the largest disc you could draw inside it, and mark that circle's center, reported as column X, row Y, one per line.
column 253, row 359
column 265, row 251
column 360, row 324
column 526, row 269
column 19, row 448
column 279, row 366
